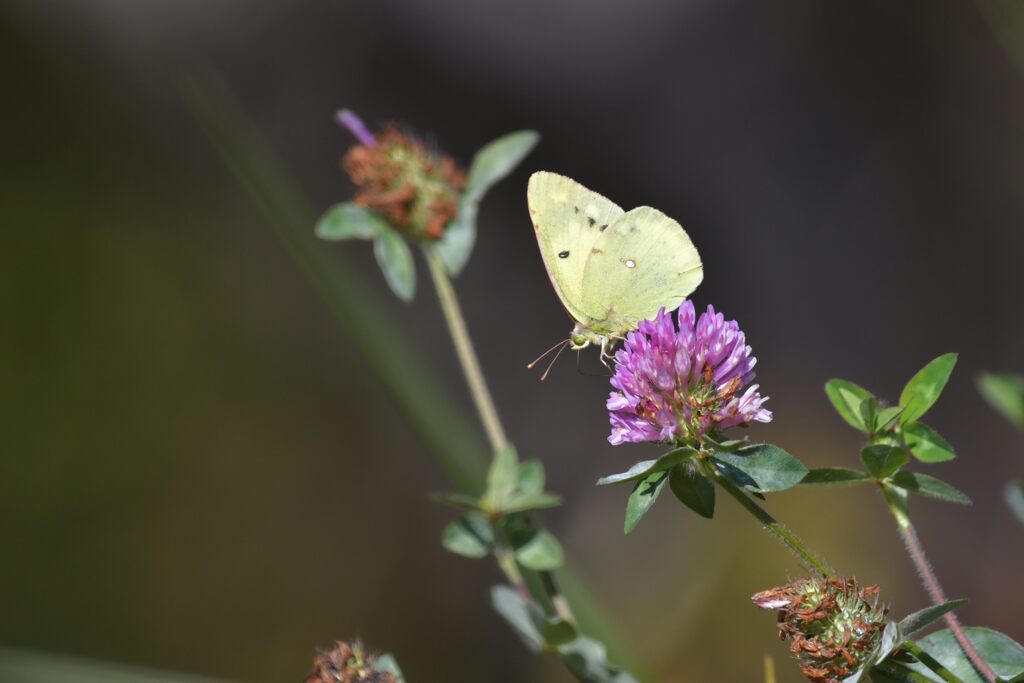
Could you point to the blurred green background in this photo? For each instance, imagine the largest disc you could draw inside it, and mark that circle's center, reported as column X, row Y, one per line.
column 200, row 472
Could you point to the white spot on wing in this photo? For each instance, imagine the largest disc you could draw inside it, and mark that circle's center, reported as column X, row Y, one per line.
column 629, row 263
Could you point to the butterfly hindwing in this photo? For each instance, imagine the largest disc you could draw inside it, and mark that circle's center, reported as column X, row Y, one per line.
column 568, row 219
column 643, row 261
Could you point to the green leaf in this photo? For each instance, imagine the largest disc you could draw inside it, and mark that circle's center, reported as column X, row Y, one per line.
column 513, row 610
column 496, row 160
column 395, row 260
column 646, row 467
column 886, row 416
column 927, row 485
column 1013, row 494
column 1002, row 653
column 542, row 552
column 926, row 444
column 924, row 388
column 456, row 500
column 883, row 461
column 348, row 221
column 492, row 163
column 772, row 468
column 924, row 618
column 846, row 398
column 556, row 632
column 869, row 414
column 523, row 502
column 642, row 498
column 531, row 476
column 502, row 478
column 835, row 476
column 469, row 536
column 456, row 245
column 1004, row 392
column 693, row 490
column 387, row 664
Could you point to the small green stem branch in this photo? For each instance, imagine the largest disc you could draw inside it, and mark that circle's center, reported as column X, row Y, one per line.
column 810, row 559
column 931, row 581
column 467, row 355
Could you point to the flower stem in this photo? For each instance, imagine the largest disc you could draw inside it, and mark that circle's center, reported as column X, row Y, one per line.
column 897, row 506
column 810, row 559
column 485, row 407
column 467, row 355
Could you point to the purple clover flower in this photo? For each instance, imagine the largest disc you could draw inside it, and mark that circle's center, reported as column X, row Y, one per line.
column 350, row 120
column 676, row 385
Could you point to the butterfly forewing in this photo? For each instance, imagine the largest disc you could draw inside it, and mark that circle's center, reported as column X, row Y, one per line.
column 643, row 261
column 568, row 219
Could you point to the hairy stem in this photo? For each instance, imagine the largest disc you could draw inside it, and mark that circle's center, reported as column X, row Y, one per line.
column 467, row 355
column 810, row 559
column 931, row 581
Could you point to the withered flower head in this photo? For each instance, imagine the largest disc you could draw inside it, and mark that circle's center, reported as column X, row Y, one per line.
column 415, row 189
column 833, row 626
column 347, row 663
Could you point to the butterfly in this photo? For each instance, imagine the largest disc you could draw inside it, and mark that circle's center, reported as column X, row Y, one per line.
column 611, row 268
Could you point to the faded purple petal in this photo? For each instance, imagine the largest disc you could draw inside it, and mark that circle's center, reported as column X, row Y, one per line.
column 350, row 120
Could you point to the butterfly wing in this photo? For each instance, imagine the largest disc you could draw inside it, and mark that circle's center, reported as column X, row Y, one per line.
column 568, row 219
column 643, row 261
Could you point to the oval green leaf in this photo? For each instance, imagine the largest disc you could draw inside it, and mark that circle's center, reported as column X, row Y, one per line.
column 642, row 498
column 1004, row 392
column 496, row 160
column 882, row 460
column 835, row 476
column 395, row 260
column 348, row 221
column 771, row 468
column 1002, row 653
column 846, row 398
column 926, row 444
column 924, row 388
column 693, row 490
column 924, row 618
column 646, row 467
column 541, row 553
column 932, row 487
column 469, row 536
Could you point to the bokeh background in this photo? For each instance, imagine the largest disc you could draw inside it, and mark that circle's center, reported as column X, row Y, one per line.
column 199, row 471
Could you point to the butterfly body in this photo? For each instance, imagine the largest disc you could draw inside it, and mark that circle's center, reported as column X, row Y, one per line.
column 611, row 268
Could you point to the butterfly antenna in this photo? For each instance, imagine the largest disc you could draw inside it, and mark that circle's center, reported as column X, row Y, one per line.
column 541, row 356
column 553, row 360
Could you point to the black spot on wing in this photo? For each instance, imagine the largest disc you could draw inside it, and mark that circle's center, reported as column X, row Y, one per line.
column 591, row 221
column 603, row 227
column 563, row 254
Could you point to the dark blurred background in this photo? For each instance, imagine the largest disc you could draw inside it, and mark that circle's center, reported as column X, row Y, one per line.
column 200, row 473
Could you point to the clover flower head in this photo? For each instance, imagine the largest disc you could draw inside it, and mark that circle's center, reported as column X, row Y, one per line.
column 678, row 383
column 832, row 625
column 416, row 189
column 347, row 663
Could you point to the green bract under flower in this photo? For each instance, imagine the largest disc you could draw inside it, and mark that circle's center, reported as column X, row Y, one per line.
column 833, row 626
column 415, row 190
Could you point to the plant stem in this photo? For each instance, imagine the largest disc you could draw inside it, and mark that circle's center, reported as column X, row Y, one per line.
column 929, row 661
column 467, row 355
column 897, row 506
column 483, row 401
column 811, row 560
